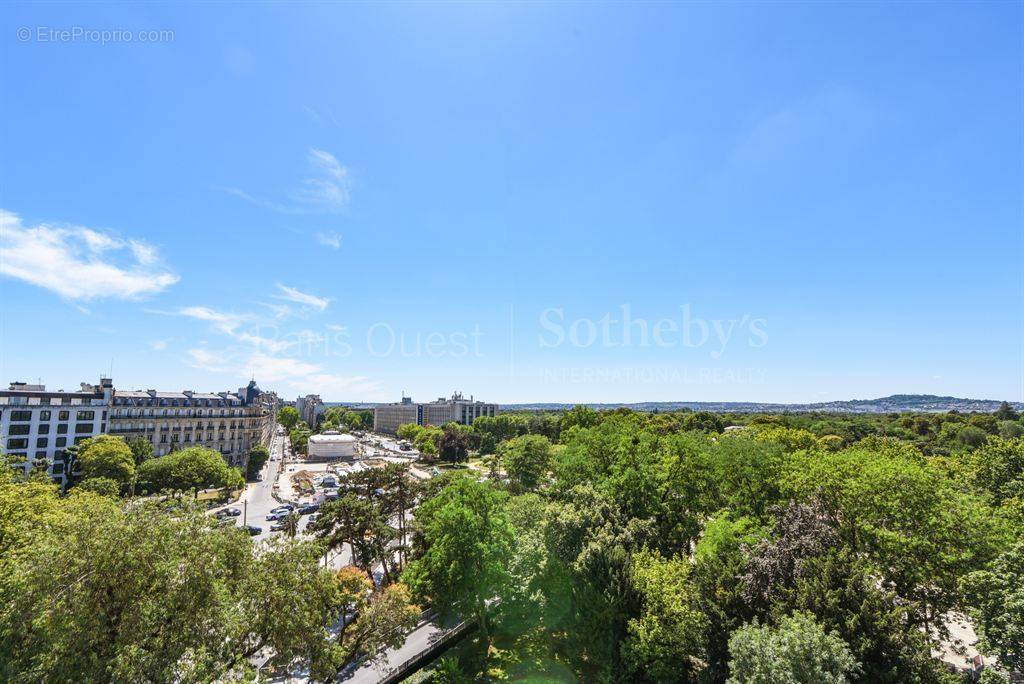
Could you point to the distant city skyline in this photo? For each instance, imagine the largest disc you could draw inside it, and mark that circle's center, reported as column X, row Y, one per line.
column 523, row 202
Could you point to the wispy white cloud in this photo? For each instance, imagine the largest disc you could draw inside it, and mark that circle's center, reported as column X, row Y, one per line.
column 290, row 294
column 326, row 190
column 227, row 323
column 80, row 263
column 280, row 311
column 258, row 201
column 329, row 239
column 211, row 362
column 329, row 188
column 295, row 373
column 316, row 115
column 294, row 361
column 158, row 345
column 241, row 327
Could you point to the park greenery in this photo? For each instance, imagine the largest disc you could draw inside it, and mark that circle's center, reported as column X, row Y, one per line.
column 697, row 547
column 99, row 588
column 584, row 545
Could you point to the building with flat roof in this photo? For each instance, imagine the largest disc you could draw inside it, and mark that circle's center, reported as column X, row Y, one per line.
column 37, row 424
column 331, row 446
column 387, row 417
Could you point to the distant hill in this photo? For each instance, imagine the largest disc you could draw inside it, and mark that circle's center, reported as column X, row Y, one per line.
column 897, row 403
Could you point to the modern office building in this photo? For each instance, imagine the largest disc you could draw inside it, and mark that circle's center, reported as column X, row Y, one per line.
column 387, row 417
column 229, row 422
column 331, row 446
column 39, row 424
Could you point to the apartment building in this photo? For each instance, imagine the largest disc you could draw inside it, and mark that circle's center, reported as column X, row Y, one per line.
column 310, row 408
column 457, row 409
column 37, row 424
column 229, row 422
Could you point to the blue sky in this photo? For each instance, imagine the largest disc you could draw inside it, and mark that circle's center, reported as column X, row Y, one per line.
column 526, row 202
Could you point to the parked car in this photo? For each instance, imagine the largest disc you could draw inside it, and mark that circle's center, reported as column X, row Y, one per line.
column 230, row 512
column 280, row 515
column 277, row 526
column 286, row 508
column 253, row 530
column 312, row 519
column 309, row 508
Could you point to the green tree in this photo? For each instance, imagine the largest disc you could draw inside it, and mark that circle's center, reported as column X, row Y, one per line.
column 998, row 468
column 798, row 651
column 453, row 444
column 288, row 417
column 1006, row 412
column 704, row 421
column 258, row 457
column 581, row 416
column 897, row 509
column 142, row 449
column 409, row 431
column 426, row 441
column 357, row 520
column 665, row 640
column 448, row 671
column 95, row 591
column 996, row 596
column 103, row 486
column 354, row 420
column 380, row 620
column 466, row 541
column 299, row 438
column 1011, row 429
column 188, row 469
column 291, row 525
column 526, row 460
column 971, row 436
column 107, row 456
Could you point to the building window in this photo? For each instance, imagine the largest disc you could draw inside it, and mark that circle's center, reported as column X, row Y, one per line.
column 62, row 428
column 17, row 444
column 83, row 428
column 62, row 415
column 79, row 440
column 62, row 441
column 44, row 415
column 41, row 443
column 86, row 415
column 21, row 416
column 19, row 429
column 43, row 429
